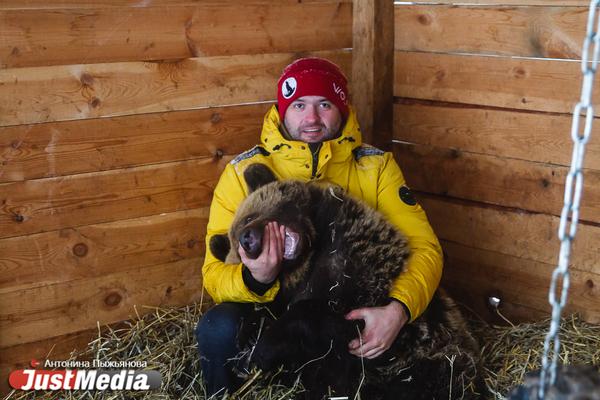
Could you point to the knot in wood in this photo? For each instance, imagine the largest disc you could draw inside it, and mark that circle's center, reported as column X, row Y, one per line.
column 219, row 153
column 18, row 218
column 86, row 79
column 589, row 283
column 113, row 299
column 215, row 118
column 80, row 249
column 424, row 19
column 519, row 72
column 95, row 102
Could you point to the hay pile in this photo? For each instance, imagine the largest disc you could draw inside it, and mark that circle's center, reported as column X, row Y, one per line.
column 509, row 352
column 164, row 338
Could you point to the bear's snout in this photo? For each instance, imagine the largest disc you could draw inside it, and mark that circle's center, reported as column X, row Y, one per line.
column 251, row 241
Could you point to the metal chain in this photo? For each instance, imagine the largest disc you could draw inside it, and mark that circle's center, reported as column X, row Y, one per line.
column 573, row 187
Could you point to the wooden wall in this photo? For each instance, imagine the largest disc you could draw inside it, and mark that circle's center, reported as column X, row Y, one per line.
column 116, row 119
column 483, row 96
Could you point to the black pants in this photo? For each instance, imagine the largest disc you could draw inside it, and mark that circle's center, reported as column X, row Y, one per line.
column 216, row 334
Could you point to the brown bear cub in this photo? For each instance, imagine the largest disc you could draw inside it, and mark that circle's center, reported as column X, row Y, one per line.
column 341, row 255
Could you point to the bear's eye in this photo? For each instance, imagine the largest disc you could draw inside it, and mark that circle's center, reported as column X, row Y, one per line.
column 249, row 219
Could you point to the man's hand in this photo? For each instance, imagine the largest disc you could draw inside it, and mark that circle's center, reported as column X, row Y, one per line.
column 382, row 325
column 266, row 267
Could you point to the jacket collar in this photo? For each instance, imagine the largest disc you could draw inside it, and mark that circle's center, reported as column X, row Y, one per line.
column 339, row 148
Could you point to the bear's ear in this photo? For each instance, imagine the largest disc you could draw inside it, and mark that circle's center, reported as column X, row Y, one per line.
column 219, row 246
column 258, row 175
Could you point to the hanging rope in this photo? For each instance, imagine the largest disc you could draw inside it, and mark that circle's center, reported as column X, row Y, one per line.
column 573, row 187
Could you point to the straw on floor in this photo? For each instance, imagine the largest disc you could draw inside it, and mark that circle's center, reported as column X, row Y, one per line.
column 164, row 338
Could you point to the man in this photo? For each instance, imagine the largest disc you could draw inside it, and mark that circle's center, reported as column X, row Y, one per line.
column 312, row 134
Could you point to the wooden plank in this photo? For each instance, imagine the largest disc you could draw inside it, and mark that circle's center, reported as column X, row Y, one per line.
column 540, row 137
column 58, row 93
column 524, row 84
column 97, row 250
column 516, row 233
column 474, row 307
column 45, row 205
column 525, row 185
column 41, row 37
column 72, row 147
column 521, row 284
column 552, row 32
column 373, row 69
column 561, row 3
column 30, row 315
column 83, row 4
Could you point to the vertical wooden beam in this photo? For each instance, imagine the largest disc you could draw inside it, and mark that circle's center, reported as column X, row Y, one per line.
column 373, row 69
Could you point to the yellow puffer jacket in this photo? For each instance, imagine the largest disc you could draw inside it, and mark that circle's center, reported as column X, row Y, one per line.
column 363, row 171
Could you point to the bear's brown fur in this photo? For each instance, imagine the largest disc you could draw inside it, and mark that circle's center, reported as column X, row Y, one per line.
column 347, row 257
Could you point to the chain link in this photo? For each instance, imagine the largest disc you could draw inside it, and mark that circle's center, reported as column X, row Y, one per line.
column 573, row 189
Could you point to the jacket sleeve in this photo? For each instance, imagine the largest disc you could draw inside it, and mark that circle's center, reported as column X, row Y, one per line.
column 224, row 282
column 416, row 286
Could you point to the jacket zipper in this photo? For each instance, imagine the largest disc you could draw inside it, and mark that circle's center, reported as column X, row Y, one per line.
column 315, row 160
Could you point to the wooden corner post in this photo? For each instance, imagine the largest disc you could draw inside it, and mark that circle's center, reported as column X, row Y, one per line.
column 373, row 69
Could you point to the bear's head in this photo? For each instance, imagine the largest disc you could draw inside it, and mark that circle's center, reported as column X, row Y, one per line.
column 286, row 202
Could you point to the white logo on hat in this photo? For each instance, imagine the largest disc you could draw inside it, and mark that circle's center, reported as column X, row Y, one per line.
column 289, row 87
column 338, row 90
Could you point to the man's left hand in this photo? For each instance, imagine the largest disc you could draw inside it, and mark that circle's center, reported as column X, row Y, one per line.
column 382, row 325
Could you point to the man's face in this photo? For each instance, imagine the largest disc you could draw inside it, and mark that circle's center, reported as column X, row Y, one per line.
column 312, row 119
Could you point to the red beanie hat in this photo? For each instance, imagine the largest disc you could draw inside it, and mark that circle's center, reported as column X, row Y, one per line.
column 312, row 77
